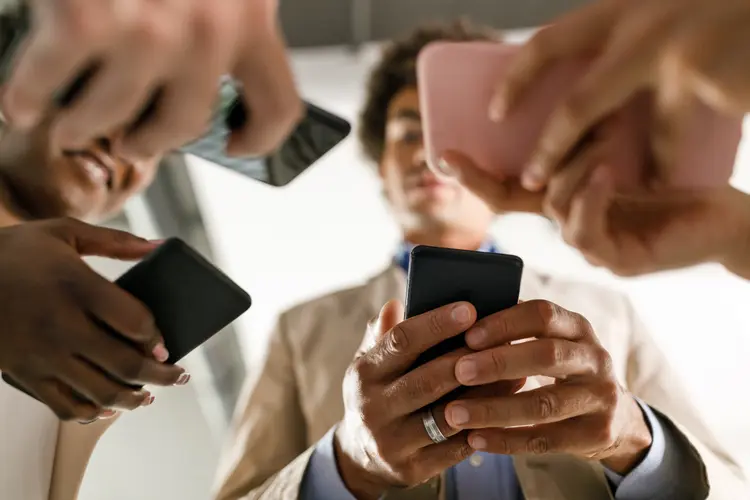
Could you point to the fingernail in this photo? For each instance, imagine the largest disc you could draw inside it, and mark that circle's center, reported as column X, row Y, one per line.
column 446, row 168
column 107, row 414
column 148, row 401
column 458, row 415
column 466, row 371
column 183, row 380
column 476, row 337
column 531, row 181
column 478, row 442
column 157, row 242
column 88, row 422
column 461, row 314
column 160, row 353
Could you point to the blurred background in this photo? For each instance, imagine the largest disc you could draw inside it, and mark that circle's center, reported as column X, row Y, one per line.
column 286, row 245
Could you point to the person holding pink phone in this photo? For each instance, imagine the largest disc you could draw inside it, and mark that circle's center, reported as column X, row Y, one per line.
column 681, row 50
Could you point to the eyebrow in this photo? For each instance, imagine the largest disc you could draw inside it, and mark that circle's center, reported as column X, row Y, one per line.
column 407, row 114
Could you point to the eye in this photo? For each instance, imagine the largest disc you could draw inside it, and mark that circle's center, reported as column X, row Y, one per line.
column 412, row 137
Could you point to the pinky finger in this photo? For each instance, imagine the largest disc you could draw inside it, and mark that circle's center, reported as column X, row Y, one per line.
column 575, row 436
column 436, row 458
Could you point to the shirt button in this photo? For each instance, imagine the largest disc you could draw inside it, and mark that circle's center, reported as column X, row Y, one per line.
column 476, row 460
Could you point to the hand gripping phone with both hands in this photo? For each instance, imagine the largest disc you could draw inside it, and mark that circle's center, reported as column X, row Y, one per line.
column 456, row 84
column 438, row 277
column 314, row 136
column 190, row 299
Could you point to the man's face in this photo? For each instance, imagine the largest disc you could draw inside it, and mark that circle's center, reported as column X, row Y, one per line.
column 90, row 184
column 421, row 200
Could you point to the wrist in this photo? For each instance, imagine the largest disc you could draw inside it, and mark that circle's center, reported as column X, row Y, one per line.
column 361, row 484
column 735, row 256
column 634, row 444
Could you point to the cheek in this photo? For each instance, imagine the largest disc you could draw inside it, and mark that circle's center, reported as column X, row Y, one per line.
column 142, row 176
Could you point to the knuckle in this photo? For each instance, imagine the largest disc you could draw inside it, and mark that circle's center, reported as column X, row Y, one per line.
column 537, row 445
column 545, row 405
column 156, row 34
column 108, row 398
column 66, row 414
column 435, row 325
column 574, row 112
column 610, row 394
column 397, row 341
column 547, row 312
column 131, row 368
column 552, row 354
column 499, row 363
column 605, row 364
column 460, row 453
column 370, row 414
column 422, row 387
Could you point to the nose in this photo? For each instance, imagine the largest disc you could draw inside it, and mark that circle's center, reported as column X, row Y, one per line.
column 420, row 156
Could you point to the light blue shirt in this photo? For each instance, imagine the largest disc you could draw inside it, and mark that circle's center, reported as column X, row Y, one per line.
column 492, row 477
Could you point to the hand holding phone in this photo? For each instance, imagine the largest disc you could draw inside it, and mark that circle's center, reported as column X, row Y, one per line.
column 457, row 82
column 382, row 440
column 189, row 300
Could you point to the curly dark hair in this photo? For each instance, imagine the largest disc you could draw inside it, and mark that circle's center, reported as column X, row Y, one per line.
column 396, row 70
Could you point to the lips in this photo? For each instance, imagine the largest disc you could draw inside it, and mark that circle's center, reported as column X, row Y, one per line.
column 98, row 167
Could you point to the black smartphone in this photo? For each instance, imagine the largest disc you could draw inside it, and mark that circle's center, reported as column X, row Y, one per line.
column 491, row 282
column 190, row 299
column 317, row 133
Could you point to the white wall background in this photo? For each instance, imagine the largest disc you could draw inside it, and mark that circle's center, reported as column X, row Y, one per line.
column 330, row 229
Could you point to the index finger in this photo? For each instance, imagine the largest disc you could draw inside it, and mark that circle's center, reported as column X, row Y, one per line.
column 609, row 82
column 572, row 35
column 399, row 348
column 120, row 311
column 532, row 319
column 500, row 194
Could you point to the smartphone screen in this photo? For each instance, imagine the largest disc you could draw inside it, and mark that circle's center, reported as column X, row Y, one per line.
column 491, row 282
column 317, row 133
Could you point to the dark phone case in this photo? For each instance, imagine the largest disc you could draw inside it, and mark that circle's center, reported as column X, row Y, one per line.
column 191, row 300
column 440, row 276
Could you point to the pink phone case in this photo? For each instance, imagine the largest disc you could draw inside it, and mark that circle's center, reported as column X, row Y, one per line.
column 456, row 83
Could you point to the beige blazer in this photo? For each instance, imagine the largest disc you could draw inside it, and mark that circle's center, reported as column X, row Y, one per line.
column 295, row 398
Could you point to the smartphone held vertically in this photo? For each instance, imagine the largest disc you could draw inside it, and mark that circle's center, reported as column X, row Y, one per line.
column 189, row 298
column 458, row 79
column 437, row 277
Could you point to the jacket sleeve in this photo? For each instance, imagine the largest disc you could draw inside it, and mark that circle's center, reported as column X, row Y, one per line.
column 651, row 379
column 268, row 432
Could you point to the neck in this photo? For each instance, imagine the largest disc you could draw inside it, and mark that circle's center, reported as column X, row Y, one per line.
column 458, row 240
